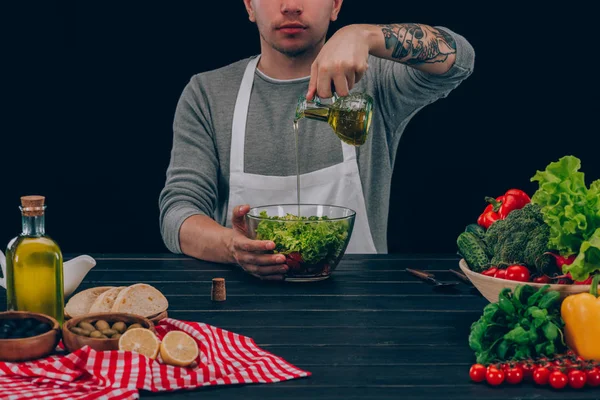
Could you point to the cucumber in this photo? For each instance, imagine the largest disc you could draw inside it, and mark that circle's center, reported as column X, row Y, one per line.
column 473, row 250
column 477, row 230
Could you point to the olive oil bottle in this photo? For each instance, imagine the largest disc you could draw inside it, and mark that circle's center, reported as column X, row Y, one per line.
column 34, row 265
column 348, row 116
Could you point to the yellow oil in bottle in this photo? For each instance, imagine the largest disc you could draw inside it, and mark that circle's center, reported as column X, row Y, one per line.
column 351, row 126
column 349, row 116
column 34, row 266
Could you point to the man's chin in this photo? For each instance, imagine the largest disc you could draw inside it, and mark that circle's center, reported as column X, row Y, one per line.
column 291, row 51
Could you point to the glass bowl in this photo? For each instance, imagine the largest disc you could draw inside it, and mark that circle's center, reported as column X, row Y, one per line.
column 313, row 244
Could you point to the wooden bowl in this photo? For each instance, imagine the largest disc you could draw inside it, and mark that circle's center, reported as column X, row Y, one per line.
column 491, row 287
column 73, row 341
column 156, row 318
column 31, row 348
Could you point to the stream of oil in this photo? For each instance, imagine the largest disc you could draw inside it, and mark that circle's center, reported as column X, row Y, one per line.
column 297, row 166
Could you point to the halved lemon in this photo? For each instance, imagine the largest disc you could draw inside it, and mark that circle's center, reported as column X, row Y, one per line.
column 140, row 340
column 178, row 348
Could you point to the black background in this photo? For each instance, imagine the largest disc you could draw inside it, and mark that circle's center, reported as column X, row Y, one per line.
column 89, row 93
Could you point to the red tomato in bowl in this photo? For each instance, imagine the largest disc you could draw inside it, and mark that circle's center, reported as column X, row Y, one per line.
column 518, row 273
column 501, row 274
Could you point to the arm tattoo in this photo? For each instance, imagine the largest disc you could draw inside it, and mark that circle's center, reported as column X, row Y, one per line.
column 418, row 44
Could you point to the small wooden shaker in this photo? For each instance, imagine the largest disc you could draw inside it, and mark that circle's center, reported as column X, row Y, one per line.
column 218, row 292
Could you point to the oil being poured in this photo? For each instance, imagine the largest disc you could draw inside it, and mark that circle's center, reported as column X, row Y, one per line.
column 297, row 166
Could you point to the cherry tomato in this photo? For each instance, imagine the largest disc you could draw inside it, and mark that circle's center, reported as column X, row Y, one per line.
column 518, row 273
column 542, row 279
column 490, row 271
column 593, row 377
column 528, row 369
column 514, row 375
column 294, row 261
column 558, row 380
column 501, row 274
column 577, row 379
column 541, row 375
column 494, row 376
column 477, row 372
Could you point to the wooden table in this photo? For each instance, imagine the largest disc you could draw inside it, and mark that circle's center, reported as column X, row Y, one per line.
column 371, row 331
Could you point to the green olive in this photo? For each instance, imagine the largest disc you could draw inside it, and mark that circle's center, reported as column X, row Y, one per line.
column 108, row 332
column 96, row 334
column 79, row 331
column 87, row 326
column 103, row 337
column 116, row 336
column 102, row 325
column 133, row 326
column 119, row 326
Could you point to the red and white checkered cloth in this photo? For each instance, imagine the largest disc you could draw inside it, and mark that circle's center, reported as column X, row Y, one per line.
column 225, row 358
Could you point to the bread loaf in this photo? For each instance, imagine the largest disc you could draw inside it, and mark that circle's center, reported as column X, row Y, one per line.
column 106, row 300
column 81, row 302
column 141, row 299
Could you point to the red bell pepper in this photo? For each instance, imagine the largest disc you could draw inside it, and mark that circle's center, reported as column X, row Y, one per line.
column 501, row 206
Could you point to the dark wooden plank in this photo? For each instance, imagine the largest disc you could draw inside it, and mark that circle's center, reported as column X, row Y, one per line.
column 359, row 336
column 357, row 275
column 272, row 319
column 170, row 264
column 372, row 354
column 331, row 286
column 284, row 390
column 339, row 304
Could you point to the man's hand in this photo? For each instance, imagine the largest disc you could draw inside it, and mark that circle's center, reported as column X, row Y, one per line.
column 341, row 63
column 250, row 254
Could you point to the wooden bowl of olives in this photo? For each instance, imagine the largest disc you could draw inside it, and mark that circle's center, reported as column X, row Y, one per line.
column 100, row 331
column 26, row 336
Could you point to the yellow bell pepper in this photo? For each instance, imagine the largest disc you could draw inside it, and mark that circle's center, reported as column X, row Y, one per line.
column 581, row 314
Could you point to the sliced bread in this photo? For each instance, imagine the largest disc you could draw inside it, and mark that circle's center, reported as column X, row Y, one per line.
column 141, row 299
column 105, row 301
column 81, row 302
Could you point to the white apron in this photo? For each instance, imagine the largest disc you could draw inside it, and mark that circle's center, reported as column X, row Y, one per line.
column 337, row 185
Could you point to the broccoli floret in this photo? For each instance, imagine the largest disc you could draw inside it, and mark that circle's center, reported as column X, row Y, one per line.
column 521, row 238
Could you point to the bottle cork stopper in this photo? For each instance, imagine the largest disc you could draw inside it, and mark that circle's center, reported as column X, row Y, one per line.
column 32, row 206
column 218, row 292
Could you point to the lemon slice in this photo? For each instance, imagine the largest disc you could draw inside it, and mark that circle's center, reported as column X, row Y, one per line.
column 178, row 348
column 140, row 340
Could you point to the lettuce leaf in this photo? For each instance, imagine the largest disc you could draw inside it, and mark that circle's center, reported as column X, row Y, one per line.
column 572, row 211
column 315, row 238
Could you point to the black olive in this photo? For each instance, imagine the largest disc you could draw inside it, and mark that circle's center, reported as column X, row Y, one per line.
column 3, row 335
column 27, row 323
column 42, row 327
column 9, row 323
column 5, row 329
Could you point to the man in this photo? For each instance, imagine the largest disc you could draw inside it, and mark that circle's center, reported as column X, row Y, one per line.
column 233, row 134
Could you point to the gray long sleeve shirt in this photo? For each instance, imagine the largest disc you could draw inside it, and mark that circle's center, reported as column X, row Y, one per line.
column 198, row 173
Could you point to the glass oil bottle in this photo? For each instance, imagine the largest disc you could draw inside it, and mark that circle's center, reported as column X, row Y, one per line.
column 349, row 116
column 34, row 265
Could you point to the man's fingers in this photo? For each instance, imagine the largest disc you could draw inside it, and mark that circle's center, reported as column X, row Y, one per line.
column 341, row 84
column 261, row 259
column 351, row 78
column 249, row 245
column 360, row 72
column 324, row 84
column 240, row 211
column 312, row 85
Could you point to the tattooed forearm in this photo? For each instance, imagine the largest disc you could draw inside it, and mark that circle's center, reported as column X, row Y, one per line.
column 418, row 44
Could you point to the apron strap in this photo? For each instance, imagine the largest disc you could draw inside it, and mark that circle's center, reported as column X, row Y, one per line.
column 240, row 112
column 349, row 152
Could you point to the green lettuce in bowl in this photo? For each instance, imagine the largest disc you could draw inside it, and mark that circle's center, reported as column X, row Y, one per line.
column 312, row 237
